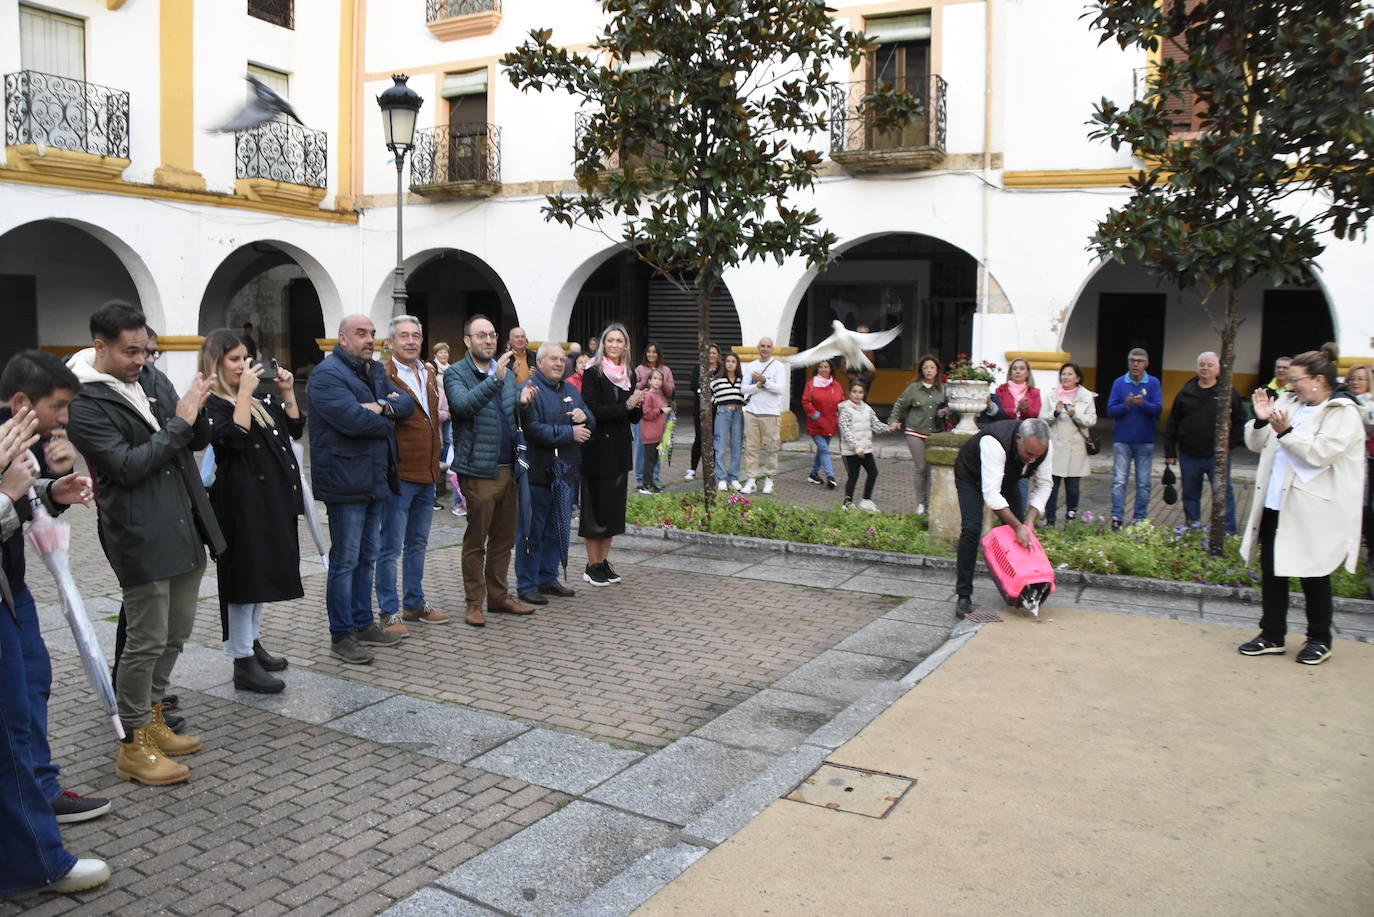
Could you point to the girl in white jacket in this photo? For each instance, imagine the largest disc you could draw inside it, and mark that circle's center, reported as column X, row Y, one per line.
column 858, row 423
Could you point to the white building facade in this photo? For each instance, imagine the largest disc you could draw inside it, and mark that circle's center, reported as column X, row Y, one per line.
column 970, row 228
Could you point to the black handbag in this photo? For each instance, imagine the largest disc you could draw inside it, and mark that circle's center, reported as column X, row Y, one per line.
column 1089, row 442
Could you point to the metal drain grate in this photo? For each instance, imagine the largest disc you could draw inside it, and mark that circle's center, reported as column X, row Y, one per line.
column 852, row 789
column 983, row 617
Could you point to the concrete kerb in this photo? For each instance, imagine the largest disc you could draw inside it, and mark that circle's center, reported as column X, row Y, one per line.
column 867, row 555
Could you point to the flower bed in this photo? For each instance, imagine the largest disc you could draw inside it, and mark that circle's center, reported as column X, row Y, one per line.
column 1086, row 545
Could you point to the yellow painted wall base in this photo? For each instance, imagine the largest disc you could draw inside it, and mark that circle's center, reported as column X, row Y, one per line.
column 189, row 342
column 1039, row 359
column 181, row 179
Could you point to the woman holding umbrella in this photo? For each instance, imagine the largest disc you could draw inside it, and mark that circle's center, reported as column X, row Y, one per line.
column 256, row 497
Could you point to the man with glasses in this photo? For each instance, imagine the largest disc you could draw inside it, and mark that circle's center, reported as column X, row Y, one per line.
column 1135, row 404
column 482, row 398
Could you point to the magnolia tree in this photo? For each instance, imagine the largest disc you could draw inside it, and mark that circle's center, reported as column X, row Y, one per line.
column 696, row 134
column 1257, row 132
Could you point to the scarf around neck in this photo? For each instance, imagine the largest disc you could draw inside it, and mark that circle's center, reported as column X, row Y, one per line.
column 821, row 381
column 617, row 373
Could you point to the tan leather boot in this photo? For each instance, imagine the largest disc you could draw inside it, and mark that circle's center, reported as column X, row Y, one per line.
column 140, row 759
column 167, row 740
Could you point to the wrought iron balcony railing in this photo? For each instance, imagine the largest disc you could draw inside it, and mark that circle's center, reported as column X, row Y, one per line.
column 282, row 151
column 652, row 151
column 277, row 12
column 469, row 152
column 67, row 114
column 448, row 9
column 852, row 127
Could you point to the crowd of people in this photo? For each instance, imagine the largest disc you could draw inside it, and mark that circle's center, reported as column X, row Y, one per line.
column 528, row 433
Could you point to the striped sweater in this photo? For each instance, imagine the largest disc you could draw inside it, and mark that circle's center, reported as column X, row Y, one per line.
column 726, row 394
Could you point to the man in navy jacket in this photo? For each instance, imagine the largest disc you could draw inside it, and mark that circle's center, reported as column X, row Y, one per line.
column 353, row 414
column 556, row 423
column 1135, row 404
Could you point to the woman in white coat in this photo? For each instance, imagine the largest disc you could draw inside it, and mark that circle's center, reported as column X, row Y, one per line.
column 1305, row 514
column 1071, row 413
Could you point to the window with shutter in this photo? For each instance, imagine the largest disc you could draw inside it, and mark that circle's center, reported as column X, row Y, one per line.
column 52, row 43
column 901, row 61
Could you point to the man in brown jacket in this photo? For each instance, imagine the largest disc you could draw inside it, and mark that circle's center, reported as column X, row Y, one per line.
column 406, row 520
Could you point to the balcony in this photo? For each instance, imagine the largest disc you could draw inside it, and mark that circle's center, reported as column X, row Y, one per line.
column 281, row 162
column 450, row 20
column 88, row 123
column 277, row 12
column 652, row 152
column 457, row 161
column 858, row 146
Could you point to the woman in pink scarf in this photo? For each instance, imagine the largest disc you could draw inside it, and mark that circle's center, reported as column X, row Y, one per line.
column 1071, row 414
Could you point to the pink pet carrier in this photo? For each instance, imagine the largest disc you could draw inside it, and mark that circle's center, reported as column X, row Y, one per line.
column 1024, row 577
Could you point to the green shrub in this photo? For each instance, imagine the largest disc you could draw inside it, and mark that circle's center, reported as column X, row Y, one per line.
column 1087, row 545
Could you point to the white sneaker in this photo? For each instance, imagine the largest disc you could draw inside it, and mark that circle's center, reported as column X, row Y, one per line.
column 868, row 506
column 920, row 509
column 768, row 485
column 721, row 485
column 86, row 874
column 690, row 475
column 748, row 487
column 735, row 485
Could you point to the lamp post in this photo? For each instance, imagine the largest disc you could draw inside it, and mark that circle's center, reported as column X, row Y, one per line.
column 399, row 105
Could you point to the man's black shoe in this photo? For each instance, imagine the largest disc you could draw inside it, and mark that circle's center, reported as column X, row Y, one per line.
column 963, row 607
column 1116, row 525
column 1314, row 653
column 174, row 722
column 533, row 598
column 170, row 702
column 558, row 589
column 1261, row 646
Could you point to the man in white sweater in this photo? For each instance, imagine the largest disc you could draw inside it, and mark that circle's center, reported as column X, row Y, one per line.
column 765, row 396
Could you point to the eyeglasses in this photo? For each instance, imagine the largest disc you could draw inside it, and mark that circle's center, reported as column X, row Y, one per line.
column 1294, row 380
column 152, row 354
column 483, row 335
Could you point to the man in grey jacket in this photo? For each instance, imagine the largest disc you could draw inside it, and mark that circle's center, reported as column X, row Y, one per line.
column 155, row 523
column 482, row 396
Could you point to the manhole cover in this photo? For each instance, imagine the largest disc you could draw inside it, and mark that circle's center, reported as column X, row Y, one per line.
column 850, row 789
column 983, row 617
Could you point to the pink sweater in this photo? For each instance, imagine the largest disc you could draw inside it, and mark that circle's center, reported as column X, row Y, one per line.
column 655, row 417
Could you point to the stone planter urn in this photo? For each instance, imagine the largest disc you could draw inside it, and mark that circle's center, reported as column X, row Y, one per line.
column 968, row 397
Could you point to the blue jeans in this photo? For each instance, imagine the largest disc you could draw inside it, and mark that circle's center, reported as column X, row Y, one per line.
column 1192, row 470
column 30, row 845
column 538, row 552
column 38, row 675
column 1123, row 455
column 354, row 532
column 821, row 463
column 729, row 437
column 408, row 516
column 1071, row 491
column 634, row 453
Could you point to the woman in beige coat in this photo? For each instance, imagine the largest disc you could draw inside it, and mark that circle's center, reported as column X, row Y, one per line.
column 1305, row 514
column 1071, row 412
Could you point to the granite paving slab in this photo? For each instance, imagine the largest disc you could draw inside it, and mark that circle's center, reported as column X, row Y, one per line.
column 558, row 760
column 57, row 633
column 1093, row 596
column 681, row 781
column 554, row 865
column 884, row 585
column 920, row 610
column 445, row 731
column 933, row 575
column 627, row 891
column 902, row 640
column 800, row 576
column 771, row 721
column 718, row 823
column 841, row 675
column 199, row 668
column 691, row 563
column 791, row 561
column 309, row 696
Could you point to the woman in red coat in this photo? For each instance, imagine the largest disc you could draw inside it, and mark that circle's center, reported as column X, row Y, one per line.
column 821, row 401
column 1018, row 396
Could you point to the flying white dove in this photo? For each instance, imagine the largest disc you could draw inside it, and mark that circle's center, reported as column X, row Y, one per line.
column 847, row 344
column 264, row 106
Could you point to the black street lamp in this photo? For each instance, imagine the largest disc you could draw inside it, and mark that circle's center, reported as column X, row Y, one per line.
column 400, row 104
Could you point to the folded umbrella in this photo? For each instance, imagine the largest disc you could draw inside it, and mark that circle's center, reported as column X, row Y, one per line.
column 562, row 487
column 52, row 539
column 312, row 516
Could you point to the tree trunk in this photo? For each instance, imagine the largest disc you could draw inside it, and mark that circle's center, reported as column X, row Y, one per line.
column 706, row 418
column 1221, row 450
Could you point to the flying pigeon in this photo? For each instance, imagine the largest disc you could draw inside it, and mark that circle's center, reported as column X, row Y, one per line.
column 264, row 106
column 847, row 344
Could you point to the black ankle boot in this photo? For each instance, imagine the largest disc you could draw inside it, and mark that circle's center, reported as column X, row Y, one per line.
column 250, row 676
column 265, row 659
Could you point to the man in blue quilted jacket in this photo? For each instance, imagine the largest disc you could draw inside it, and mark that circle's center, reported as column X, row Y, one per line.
column 482, row 399
column 353, row 415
